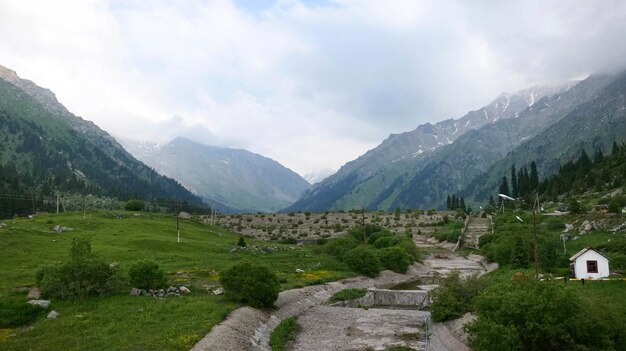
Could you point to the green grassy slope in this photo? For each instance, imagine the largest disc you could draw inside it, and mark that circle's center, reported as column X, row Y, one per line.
column 138, row 323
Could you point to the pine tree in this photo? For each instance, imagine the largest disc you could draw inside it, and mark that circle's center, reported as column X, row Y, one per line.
column 599, row 156
column 514, row 183
column 534, row 177
column 448, row 202
column 504, row 187
column 454, row 203
column 462, row 205
column 615, row 148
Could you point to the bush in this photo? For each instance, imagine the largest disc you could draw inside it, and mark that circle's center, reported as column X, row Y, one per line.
column 375, row 236
column 339, row 247
column 363, row 260
column 241, row 242
column 16, row 314
column 289, row 240
column 526, row 314
column 409, row 245
column 84, row 274
column 453, row 297
column 386, row 241
column 147, row 275
column 348, row 294
column 251, row 284
column 394, row 258
column 284, row 333
column 134, row 205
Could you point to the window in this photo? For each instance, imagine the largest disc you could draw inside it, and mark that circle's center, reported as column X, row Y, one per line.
column 592, row 266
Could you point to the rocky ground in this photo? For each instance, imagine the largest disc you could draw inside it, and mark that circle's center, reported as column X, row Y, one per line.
column 306, row 226
column 340, row 328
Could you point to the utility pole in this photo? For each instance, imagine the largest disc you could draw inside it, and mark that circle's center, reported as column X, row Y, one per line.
column 177, row 223
column 57, row 202
column 363, row 221
column 84, row 215
column 535, row 209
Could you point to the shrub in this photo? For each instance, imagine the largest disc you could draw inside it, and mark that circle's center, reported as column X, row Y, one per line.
column 409, row 245
column 386, row 241
column 241, row 242
column 363, row 260
column 289, row 240
column 147, row 275
column 284, row 333
column 134, row 205
column 394, row 258
column 84, row 274
column 16, row 314
column 251, row 284
column 339, row 247
column 348, row 294
column 375, row 236
column 453, row 297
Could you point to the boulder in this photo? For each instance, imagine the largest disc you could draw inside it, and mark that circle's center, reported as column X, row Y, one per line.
column 53, row 314
column 184, row 290
column 298, row 270
column 135, row 292
column 218, row 291
column 170, row 294
column 3, row 225
column 42, row 303
column 582, row 226
column 184, row 215
column 34, row 294
column 568, row 227
column 589, row 227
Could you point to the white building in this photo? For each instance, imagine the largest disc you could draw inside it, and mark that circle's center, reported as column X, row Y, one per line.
column 589, row 264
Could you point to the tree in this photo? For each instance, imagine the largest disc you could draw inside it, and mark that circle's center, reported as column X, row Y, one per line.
column 448, row 202
column 534, row 176
column 519, row 254
column 241, row 242
column 394, row 258
column 514, row 182
column 134, row 205
column 363, row 260
column 504, row 187
column 254, row 285
column 147, row 275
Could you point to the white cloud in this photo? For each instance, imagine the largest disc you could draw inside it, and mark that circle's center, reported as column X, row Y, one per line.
column 312, row 85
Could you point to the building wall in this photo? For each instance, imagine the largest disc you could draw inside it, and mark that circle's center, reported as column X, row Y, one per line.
column 580, row 266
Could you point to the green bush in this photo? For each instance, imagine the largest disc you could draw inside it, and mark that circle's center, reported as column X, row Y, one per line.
column 134, row 205
column 84, row 274
column 409, row 245
column 363, row 260
column 254, row 285
column 147, row 275
column 289, row 240
column 394, row 258
column 348, row 294
column 339, row 247
column 386, row 241
column 284, row 333
column 375, row 236
column 526, row 314
column 17, row 313
column 453, row 297
column 241, row 242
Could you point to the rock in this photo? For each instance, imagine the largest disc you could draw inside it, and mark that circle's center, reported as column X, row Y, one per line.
column 113, row 264
column 582, row 226
column 218, row 291
column 3, row 225
column 34, row 294
column 42, row 303
column 135, row 292
column 298, row 270
column 60, row 229
column 171, row 289
column 616, row 192
column 184, row 215
column 583, row 232
column 53, row 314
column 589, row 227
column 568, row 227
column 170, row 294
column 184, row 290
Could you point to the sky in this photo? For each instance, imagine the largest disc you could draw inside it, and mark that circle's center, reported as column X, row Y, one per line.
column 312, row 84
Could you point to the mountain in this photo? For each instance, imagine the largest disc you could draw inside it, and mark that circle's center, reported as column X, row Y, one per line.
column 317, row 176
column 232, row 180
column 44, row 148
column 386, row 176
column 595, row 123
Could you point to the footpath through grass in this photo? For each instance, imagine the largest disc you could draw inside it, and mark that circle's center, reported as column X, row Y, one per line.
column 125, row 322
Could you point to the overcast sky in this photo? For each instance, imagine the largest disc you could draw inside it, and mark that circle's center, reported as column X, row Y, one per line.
column 311, row 83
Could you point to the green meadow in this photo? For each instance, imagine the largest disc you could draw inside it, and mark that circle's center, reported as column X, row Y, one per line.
column 123, row 322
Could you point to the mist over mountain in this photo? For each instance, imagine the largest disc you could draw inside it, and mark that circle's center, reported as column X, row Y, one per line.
column 232, row 180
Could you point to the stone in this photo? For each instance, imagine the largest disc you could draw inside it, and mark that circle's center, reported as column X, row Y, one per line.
column 170, row 294
column 53, row 314
column 135, row 292
column 34, row 294
column 298, row 270
column 589, row 227
column 113, row 264
column 3, row 225
column 42, row 303
column 171, row 289
column 184, row 290
column 184, row 215
column 582, row 226
column 568, row 227
column 218, row 291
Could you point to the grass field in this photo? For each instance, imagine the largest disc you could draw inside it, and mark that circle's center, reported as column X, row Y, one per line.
column 124, row 322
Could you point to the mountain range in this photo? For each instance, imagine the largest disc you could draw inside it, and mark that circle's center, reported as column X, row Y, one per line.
column 45, row 148
column 470, row 155
column 231, row 180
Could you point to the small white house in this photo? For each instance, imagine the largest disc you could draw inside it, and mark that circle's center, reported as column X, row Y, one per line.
column 589, row 264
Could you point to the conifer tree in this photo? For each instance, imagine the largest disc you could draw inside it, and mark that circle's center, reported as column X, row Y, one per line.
column 514, row 183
